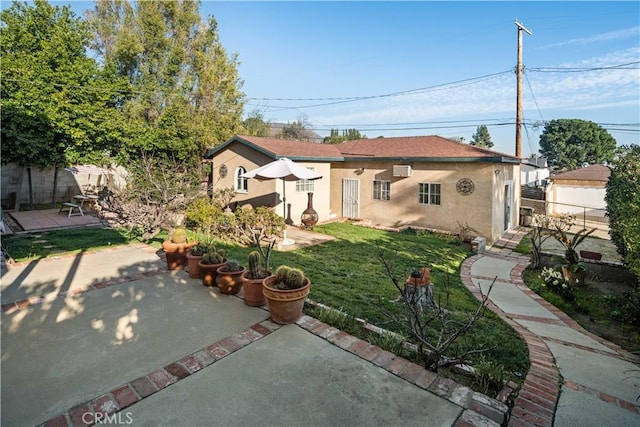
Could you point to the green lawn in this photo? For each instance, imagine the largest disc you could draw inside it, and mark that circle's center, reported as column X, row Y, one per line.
column 346, row 274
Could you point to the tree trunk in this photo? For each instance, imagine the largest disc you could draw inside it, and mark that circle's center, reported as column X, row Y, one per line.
column 19, row 190
column 31, row 204
column 55, row 187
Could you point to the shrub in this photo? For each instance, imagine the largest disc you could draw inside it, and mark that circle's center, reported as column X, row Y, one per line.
column 626, row 308
column 202, row 214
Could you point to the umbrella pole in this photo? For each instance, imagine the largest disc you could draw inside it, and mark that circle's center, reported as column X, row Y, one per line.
column 285, row 241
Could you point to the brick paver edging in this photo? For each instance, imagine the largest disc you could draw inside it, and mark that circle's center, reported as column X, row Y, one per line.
column 536, row 402
column 125, row 395
column 478, row 409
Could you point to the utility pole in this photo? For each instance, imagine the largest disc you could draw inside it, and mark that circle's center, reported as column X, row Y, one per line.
column 519, row 70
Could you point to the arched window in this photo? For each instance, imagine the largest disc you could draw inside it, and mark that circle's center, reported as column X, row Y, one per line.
column 240, row 182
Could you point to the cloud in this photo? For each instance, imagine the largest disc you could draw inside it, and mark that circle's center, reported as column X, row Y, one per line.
column 622, row 34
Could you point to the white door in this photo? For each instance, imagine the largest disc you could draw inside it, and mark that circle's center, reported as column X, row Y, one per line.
column 350, row 196
column 507, row 207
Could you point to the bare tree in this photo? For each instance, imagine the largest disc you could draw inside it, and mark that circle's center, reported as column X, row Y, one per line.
column 435, row 329
column 158, row 190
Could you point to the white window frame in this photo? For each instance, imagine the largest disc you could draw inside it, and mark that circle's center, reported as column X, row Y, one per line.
column 428, row 197
column 305, row 185
column 381, row 191
column 240, row 184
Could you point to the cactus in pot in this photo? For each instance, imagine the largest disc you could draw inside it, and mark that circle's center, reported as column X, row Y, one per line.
column 286, row 291
column 211, row 260
column 229, row 277
column 176, row 249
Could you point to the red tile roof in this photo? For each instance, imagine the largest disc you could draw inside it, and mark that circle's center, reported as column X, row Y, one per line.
column 412, row 147
column 415, row 147
column 589, row 173
column 293, row 149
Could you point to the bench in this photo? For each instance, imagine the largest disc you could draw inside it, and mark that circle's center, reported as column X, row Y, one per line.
column 596, row 256
column 70, row 207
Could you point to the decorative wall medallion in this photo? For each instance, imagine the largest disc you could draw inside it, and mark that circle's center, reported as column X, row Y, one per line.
column 223, row 171
column 465, row 186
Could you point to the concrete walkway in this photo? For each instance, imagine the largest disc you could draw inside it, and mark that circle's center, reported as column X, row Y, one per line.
column 112, row 336
column 576, row 378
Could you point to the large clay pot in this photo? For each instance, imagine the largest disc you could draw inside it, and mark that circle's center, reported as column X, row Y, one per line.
column 309, row 216
column 285, row 306
column 193, row 265
column 252, row 289
column 176, row 254
column 209, row 272
column 229, row 282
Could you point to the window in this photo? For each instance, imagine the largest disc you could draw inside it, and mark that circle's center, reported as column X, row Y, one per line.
column 428, row 193
column 381, row 190
column 305, row 185
column 240, row 182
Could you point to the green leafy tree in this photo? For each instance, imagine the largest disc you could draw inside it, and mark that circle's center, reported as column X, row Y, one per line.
column 623, row 207
column 567, row 143
column 255, row 125
column 347, row 135
column 57, row 106
column 481, row 138
column 299, row 130
column 186, row 93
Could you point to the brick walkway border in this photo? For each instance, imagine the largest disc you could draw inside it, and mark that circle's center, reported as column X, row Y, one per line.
column 537, row 400
column 478, row 409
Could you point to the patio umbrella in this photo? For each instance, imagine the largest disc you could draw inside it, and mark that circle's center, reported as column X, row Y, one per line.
column 286, row 170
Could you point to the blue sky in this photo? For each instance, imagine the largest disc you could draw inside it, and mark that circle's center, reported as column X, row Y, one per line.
column 444, row 68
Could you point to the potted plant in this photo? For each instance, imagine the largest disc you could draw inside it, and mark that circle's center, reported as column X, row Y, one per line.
column 574, row 271
column 229, row 277
column 252, row 280
column 176, row 248
column 285, row 292
column 211, row 261
column 194, row 256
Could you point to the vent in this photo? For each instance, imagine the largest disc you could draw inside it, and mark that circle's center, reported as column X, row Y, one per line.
column 401, row 170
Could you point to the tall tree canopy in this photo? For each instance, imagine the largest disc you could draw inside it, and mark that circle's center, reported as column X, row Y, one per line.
column 623, row 206
column 300, row 130
column 57, row 106
column 347, row 135
column 186, row 90
column 481, row 138
column 567, row 143
column 255, row 125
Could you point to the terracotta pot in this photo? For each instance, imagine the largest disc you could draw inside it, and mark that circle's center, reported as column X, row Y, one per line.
column 423, row 280
column 229, row 282
column 176, row 254
column 285, row 306
column 253, row 295
column 193, row 265
column 209, row 272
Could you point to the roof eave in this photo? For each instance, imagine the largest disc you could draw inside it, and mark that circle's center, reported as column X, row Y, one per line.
column 436, row 159
column 213, row 151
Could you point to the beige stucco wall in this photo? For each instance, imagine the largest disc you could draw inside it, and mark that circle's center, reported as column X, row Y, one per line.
column 270, row 193
column 481, row 210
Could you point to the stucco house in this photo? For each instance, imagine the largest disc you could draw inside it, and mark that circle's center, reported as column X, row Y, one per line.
column 426, row 181
column 580, row 192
